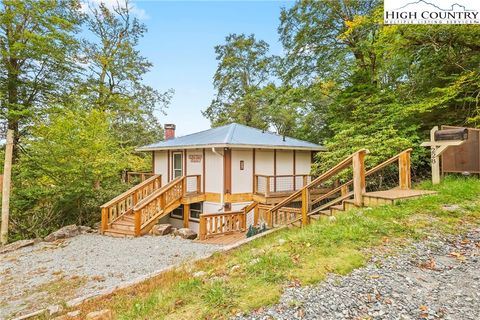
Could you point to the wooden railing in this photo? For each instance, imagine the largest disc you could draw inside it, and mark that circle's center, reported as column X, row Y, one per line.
column 160, row 201
column 142, row 176
column 193, row 183
column 356, row 161
column 212, row 224
column 404, row 181
column 124, row 203
column 267, row 185
column 282, row 216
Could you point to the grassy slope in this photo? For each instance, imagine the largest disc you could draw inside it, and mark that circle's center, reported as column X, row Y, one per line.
column 264, row 266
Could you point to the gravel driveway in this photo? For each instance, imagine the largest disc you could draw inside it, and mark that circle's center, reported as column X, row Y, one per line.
column 434, row 279
column 49, row 273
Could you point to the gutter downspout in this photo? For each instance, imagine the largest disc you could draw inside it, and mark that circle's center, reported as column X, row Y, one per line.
column 222, row 200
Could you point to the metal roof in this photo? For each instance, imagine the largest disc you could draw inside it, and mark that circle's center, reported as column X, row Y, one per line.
column 233, row 135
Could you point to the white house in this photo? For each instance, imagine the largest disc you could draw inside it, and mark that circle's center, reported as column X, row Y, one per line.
column 221, row 169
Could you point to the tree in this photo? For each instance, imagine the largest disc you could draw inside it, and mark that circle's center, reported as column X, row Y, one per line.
column 244, row 67
column 67, row 170
column 37, row 48
column 115, row 69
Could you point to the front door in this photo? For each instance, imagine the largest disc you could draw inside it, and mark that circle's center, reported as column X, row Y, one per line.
column 177, row 165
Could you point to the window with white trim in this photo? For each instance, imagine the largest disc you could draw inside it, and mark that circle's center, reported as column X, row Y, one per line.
column 177, row 164
column 195, row 210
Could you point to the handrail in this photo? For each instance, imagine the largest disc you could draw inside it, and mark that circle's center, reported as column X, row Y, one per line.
column 130, row 191
column 218, row 214
column 341, row 165
column 368, row 173
column 145, row 201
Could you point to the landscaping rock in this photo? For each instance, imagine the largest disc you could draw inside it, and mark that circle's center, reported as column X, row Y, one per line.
column 73, row 314
column 199, row 274
column 86, row 229
column 161, row 229
column 186, row 233
column 105, row 314
column 65, row 232
column 451, row 207
column 16, row 245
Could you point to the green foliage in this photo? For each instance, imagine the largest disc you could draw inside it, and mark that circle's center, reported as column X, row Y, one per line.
column 71, row 167
column 78, row 108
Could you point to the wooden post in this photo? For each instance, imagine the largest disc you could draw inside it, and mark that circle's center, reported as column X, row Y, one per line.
column 344, row 190
column 7, row 175
column 305, row 205
column 255, row 215
column 202, row 228
column 359, row 188
column 437, row 148
column 435, row 158
column 244, row 220
column 305, row 180
column 405, row 181
column 199, row 182
column 267, row 186
column 104, row 220
column 138, row 222
column 186, row 214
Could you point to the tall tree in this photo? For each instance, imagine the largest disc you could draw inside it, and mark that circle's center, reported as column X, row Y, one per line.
column 245, row 66
column 37, row 49
column 115, row 73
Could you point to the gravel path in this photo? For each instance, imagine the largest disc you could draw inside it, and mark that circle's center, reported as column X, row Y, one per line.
column 48, row 273
column 434, row 279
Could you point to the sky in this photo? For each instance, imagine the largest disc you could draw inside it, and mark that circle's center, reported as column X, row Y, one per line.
column 180, row 43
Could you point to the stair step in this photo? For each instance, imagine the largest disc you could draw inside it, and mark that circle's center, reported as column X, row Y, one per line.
column 315, row 216
column 119, row 233
column 325, row 212
column 123, row 225
column 338, row 207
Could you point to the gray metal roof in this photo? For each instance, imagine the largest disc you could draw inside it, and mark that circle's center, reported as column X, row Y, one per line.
column 232, row 135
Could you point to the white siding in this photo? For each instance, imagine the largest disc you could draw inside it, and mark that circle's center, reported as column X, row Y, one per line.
column 213, row 172
column 284, row 162
column 303, row 162
column 264, row 162
column 242, row 180
column 161, row 163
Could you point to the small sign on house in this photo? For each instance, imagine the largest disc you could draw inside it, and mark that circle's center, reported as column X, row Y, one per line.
column 195, row 157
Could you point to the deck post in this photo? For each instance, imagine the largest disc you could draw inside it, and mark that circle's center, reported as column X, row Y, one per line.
column 305, row 205
column 405, row 181
column 186, row 214
column 202, row 228
column 359, row 187
column 255, row 215
column 267, row 186
column 199, row 181
column 104, row 220
column 138, row 222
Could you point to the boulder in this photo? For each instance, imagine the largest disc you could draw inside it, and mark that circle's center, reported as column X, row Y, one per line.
column 65, row 232
column 105, row 314
column 16, row 245
column 161, row 229
column 186, row 233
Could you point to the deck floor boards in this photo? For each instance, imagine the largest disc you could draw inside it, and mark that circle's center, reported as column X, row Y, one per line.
column 224, row 239
column 394, row 194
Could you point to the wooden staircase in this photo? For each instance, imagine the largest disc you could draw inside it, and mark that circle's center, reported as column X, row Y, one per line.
column 353, row 193
column 136, row 211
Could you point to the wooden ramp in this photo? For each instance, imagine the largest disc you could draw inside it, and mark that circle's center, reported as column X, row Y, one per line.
column 224, row 239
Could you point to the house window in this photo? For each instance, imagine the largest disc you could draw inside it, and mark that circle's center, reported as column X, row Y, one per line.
column 177, row 213
column 195, row 210
column 177, row 164
column 242, row 165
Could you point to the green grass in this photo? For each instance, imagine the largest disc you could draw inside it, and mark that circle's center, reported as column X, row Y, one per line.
column 254, row 275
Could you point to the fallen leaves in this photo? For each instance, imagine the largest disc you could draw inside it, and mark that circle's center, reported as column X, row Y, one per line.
column 457, row 255
column 429, row 264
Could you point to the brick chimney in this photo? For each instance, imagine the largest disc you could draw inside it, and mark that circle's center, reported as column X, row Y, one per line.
column 169, row 131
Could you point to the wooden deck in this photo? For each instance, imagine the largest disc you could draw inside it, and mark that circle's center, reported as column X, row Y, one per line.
column 397, row 194
column 224, row 239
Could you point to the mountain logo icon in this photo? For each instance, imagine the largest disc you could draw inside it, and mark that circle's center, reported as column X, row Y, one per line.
column 454, row 7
